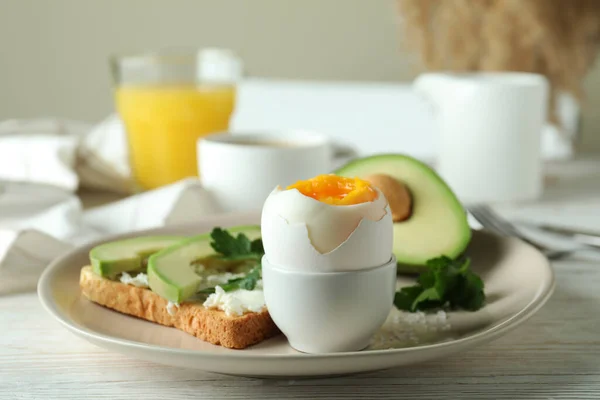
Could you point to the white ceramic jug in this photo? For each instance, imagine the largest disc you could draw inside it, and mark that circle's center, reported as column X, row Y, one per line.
column 490, row 126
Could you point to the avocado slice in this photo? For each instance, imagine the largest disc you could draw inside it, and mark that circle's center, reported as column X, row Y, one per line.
column 111, row 259
column 437, row 224
column 170, row 272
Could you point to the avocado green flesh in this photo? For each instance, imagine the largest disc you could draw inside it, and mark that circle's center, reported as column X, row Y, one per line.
column 438, row 224
column 212, row 265
column 110, row 259
column 170, row 271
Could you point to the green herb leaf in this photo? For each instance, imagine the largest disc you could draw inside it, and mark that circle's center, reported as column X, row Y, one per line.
column 405, row 298
column 426, row 296
column 235, row 248
column 238, row 248
column 470, row 295
column 247, row 282
column 447, row 282
column 427, row 279
column 257, row 246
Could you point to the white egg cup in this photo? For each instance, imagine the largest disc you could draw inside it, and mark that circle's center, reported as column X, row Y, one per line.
column 332, row 311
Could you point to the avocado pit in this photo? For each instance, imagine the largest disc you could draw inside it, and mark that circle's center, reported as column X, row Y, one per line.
column 396, row 193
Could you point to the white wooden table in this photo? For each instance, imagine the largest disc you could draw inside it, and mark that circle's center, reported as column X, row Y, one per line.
column 555, row 355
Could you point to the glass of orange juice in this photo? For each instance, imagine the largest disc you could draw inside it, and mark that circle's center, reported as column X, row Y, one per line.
column 167, row 101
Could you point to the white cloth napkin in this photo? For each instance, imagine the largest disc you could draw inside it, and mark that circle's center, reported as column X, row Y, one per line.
column 42, row 163
column 66, row 154
column 52, row 222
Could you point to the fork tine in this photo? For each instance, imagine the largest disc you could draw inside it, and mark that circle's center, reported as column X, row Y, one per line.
column 484, row 219
column 495, row 223
column 505, row 225
column 487, row 220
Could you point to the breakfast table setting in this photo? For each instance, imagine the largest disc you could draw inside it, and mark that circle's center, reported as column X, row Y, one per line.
column 235, row 237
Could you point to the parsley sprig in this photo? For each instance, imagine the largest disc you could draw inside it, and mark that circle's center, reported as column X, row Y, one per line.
column 237, row 248
column 233, row 248
column 247, row 282
column 447, row 283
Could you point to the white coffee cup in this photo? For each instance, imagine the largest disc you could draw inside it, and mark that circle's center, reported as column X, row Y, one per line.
column 490, row 127
column 240, row 170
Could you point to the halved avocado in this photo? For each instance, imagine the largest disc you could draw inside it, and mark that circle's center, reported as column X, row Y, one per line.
column 110, row 259
column 437, row 224
column 170, row 272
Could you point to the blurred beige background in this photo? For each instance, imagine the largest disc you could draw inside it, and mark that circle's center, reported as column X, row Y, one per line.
column 54, row 53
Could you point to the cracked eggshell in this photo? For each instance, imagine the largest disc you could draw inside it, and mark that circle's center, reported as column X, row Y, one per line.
column 301, row 233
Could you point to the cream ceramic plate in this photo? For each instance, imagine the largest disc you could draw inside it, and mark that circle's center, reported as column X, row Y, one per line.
column 518, row 282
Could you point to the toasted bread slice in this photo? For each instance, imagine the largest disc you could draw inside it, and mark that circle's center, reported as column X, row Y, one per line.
column 214, row 326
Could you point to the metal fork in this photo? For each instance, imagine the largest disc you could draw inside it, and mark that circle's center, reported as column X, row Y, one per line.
column 493, row 222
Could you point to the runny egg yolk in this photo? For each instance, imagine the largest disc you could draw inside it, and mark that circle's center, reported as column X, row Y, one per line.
column 336, row 190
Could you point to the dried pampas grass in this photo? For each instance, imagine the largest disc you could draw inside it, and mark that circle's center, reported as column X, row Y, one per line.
column 556, row 38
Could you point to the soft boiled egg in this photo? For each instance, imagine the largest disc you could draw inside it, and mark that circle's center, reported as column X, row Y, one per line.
column 327, row 224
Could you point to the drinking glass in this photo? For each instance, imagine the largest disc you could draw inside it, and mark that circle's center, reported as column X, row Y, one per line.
column 169, row 99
